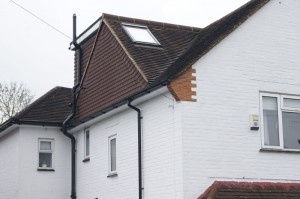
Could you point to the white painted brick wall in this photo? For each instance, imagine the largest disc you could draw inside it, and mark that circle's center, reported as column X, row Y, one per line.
column 263, row 54
column 162, row 154
column 9, row 170
column 19, row 178
column 35, row 184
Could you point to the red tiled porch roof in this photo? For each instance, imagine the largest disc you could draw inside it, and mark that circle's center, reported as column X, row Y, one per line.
column 251, row 190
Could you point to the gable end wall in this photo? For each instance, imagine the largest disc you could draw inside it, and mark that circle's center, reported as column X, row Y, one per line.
column 263, row 54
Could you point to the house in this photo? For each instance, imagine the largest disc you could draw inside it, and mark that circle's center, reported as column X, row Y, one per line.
column 35, row 155
column 168, row 111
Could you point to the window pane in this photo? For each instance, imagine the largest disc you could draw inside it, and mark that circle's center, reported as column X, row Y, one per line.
column 113, row 164
column 291, row 130
column 270, row 118
column 44, row 145
column 293, row 103
column 140, row 34
column 87, row 143
column 45, row 160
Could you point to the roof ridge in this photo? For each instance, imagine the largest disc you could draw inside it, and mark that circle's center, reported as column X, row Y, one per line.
column 150, row 22
column 138, row 67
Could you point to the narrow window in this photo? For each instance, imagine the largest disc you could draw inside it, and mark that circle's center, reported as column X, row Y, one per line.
column 46, row 153
column 291, row 130
column 112, row 144
column 86, row 143
column 291, row 122
column 271, row 125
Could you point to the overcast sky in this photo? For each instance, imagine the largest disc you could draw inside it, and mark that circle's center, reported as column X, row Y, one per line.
column 36, row 55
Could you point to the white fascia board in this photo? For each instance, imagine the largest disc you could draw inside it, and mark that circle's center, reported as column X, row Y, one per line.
column 8, row 130
column 15, row 126
column 135, row 102
column 87, row 33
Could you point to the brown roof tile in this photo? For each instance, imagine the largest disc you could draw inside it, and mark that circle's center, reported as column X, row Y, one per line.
column 121, row 69
column 110, row 77
column 251, row 190
column 210, row 36
column 154, row 60
column 52, row 107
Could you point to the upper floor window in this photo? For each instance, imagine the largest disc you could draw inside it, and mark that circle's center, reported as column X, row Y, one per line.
column 140, row 34
column 280, row 121
column 86, row 143
column 46, row 150
column 112, row 149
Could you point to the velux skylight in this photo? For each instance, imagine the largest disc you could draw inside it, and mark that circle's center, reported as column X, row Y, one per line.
column 140, row 34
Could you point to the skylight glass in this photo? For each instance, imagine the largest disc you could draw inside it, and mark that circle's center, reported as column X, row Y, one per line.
column 140, row 34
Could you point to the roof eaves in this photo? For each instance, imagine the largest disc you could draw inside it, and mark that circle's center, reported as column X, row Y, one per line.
column 17, row 118
column 123, row 47
column 146, row 90
column 6, row 124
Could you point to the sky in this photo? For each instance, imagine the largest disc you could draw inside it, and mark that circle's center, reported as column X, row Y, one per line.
column 37, row 55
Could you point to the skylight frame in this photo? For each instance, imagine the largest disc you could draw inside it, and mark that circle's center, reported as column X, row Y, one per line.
column 125, row 25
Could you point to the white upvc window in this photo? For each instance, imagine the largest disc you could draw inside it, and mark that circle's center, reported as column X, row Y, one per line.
column 86, row 143
column 280, row 121
column 46, row 153
column 112, row 154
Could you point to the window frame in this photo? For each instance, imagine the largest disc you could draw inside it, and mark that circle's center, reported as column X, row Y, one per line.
column 87, row 130
column 280, row 110
column 51, row 140
column 110, row 172
column 124, row 25
column 289, row 109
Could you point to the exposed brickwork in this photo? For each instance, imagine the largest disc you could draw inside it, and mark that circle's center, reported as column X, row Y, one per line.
column 181, row 87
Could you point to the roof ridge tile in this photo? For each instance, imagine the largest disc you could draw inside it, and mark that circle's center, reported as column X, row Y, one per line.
column 151, row 23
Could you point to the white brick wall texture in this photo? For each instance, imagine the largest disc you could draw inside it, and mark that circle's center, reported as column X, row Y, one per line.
column 263, row 54
column 19, row 162
column 9, row 170
column 162, row 154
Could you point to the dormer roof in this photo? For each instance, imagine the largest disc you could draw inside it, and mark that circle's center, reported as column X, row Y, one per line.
column 132, row 68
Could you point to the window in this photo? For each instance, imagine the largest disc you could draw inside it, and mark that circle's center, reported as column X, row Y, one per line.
column 140, row 34
column 86, row 144
column 280, row 121
column 46, row 153
column 112, row 148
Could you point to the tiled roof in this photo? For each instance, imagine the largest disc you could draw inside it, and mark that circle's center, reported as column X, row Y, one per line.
column 150, row 66
column 210, row 36
column 119, row 68
column 251, row 190
column 153, row 60
column 52, row 108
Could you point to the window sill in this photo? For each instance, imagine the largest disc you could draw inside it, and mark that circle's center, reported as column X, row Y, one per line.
column 279, row 150
column 42, row 169
column 111, row 175
column 86, row 159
